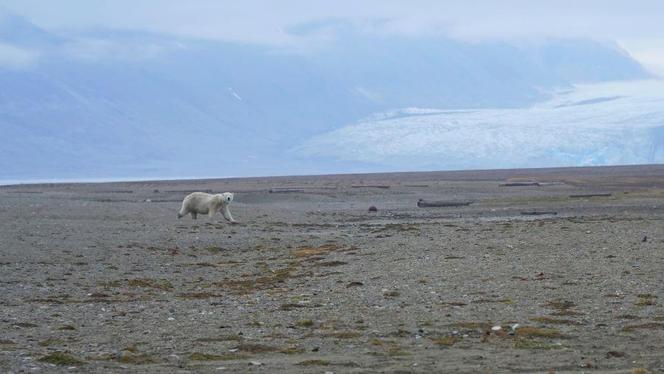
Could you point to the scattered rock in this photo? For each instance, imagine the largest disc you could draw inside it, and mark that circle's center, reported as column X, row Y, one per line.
column 373, row 209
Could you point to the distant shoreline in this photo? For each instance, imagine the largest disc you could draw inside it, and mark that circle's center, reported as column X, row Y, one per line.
column 480, row 174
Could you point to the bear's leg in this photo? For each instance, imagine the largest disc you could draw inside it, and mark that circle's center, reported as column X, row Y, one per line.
column 193, row 215
column 227, row 214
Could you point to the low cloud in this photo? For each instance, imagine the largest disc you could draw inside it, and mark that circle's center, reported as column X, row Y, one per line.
column 109, row 49
column 13, row 57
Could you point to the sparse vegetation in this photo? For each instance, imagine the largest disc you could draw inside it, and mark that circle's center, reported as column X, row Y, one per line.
column 304, row 323
column 446, row 341
column 197, row 295
column 159, row 284
column 314, row 363
column 538, row 332
column 136, row 358
column 61, row 359
column 645, row 326
column 314, row 251
column 646, row 299
column 527, row 343
column 255, row 348
column 213, row 357
column 291, row 350
column 270, row 280
column 555, row 321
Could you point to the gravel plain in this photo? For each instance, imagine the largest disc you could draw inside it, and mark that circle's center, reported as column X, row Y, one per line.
column 526, row 278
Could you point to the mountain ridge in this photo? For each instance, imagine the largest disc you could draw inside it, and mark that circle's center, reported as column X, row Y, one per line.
column 123, row 103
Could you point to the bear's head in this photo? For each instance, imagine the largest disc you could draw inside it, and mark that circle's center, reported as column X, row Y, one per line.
column 226, row 197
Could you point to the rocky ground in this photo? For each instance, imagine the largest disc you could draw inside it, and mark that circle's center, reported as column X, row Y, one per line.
column 105, row 278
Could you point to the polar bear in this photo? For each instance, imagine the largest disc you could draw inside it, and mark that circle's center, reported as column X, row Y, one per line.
column 204, row 203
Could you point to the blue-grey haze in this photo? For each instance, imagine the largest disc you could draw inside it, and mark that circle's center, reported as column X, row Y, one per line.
column 123, row 104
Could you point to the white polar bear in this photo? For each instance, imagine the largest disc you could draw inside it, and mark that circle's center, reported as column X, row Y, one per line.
column 204, row 203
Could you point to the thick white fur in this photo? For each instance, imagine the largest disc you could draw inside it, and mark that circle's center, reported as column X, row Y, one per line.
column 204, row 203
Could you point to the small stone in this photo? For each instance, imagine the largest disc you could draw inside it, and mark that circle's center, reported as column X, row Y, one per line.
column 611, row 354
column 255, row 363
column 373, row 209
column 496, row 328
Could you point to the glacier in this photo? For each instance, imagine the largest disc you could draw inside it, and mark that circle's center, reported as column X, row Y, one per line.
column 115, row 103
column 612, row 123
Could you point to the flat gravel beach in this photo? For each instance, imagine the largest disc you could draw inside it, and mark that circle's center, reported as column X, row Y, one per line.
column 538, row 270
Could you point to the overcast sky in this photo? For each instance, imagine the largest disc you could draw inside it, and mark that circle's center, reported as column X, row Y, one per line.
column 636, row 25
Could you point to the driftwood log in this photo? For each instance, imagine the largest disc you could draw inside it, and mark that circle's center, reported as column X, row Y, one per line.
column 581, row 196
column 441, row 204
column 519, row 184
column 538, row 213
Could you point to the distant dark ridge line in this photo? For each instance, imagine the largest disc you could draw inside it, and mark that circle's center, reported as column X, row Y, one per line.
column 498, row 175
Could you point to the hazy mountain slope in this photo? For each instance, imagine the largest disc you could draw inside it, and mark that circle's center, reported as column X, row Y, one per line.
column 128, row 104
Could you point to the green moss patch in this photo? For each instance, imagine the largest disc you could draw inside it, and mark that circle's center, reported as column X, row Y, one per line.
column 61, row 359
column 313, row 363
column 538, row 332
column 555, row 321
column 159, row 284
column 446, row 341
column 213, row 357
